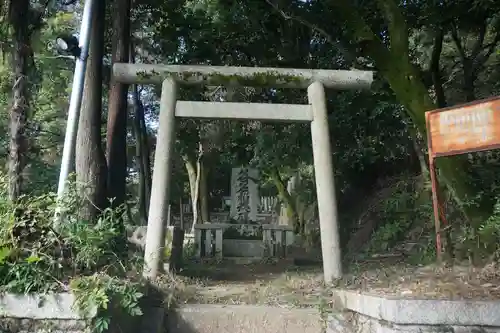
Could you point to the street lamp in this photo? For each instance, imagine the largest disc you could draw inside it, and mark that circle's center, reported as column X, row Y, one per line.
column 68, row 44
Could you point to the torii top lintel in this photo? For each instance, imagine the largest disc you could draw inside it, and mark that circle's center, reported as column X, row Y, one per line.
column 242, row 76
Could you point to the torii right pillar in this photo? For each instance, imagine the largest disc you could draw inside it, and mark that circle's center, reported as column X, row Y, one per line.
column 325, row 184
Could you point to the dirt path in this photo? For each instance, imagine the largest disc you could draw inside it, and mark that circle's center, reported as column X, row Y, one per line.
column 281, row 284
column 272, row 284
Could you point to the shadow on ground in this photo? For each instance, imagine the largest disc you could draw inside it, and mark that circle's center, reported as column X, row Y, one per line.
column 224, row 271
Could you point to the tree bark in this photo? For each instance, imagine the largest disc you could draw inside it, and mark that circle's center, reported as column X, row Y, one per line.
column 142, row 158
column 22, row 58
column 437, row 79
column 193, row 168
column 181, row 213
column 469, row 61
column 396, row 67
column 204, row 209
column 142, row 150
column 288, row 200
column 116, row 140
column 90, row 160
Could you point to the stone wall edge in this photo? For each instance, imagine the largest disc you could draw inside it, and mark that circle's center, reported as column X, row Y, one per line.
column 421, row 311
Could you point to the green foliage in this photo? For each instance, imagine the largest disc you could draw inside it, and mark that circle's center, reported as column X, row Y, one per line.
column 371, row 134
column 489, row 231
column 77, row 256
column 189, row 250
column 108, row 295
column 399, row 211
column 51, row 85
column 481, row 242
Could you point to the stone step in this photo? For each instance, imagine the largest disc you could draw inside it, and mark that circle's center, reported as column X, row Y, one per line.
column 207, row 318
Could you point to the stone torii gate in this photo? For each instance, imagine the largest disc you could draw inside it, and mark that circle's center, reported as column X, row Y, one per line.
column 315, row 112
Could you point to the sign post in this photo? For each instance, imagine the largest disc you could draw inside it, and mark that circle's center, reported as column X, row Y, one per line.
column 458, row 130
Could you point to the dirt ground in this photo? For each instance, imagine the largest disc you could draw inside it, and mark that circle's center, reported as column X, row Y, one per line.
column 279, row 284
column 452, row 282
column 286, row 285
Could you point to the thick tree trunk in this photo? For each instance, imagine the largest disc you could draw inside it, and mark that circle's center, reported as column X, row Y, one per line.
column 90, row 159
column 22, row 57
column 116, row 140
column 396, row 67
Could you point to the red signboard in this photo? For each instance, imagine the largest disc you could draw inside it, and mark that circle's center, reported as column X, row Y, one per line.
column 458, row 130
column 467, row 128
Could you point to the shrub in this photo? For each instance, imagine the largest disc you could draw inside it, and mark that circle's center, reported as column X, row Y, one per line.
column 78, row 256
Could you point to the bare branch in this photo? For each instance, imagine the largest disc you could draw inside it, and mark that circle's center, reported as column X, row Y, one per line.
column 458, row 42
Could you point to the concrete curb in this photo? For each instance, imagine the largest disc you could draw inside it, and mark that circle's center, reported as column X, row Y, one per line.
column 207, row 318
column 40, row 307
column 421, row 312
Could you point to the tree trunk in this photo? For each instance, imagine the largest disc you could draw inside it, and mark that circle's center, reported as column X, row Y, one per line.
column 193, row 169
column 146, row 154
column 287, row 200
column 143, row 168
column 142, row 151
column 468, row 66
column 469, row 79
column 437, row 79
column 396, row 67
column 22, row 58
column 116, row 140
column 90, row 160
column 203, row 193
column 196, row 195
column 181, row 214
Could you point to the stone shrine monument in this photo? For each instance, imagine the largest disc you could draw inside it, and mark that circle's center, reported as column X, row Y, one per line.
column 244, row 194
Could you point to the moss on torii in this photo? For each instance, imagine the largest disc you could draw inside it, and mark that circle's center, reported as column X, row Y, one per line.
column 242, row 76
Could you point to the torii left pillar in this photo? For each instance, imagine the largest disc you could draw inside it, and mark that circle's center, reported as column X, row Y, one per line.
column 160, row 191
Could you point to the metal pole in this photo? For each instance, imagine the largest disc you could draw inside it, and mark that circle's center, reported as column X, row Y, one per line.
column 435, row 188
column 76, row 98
